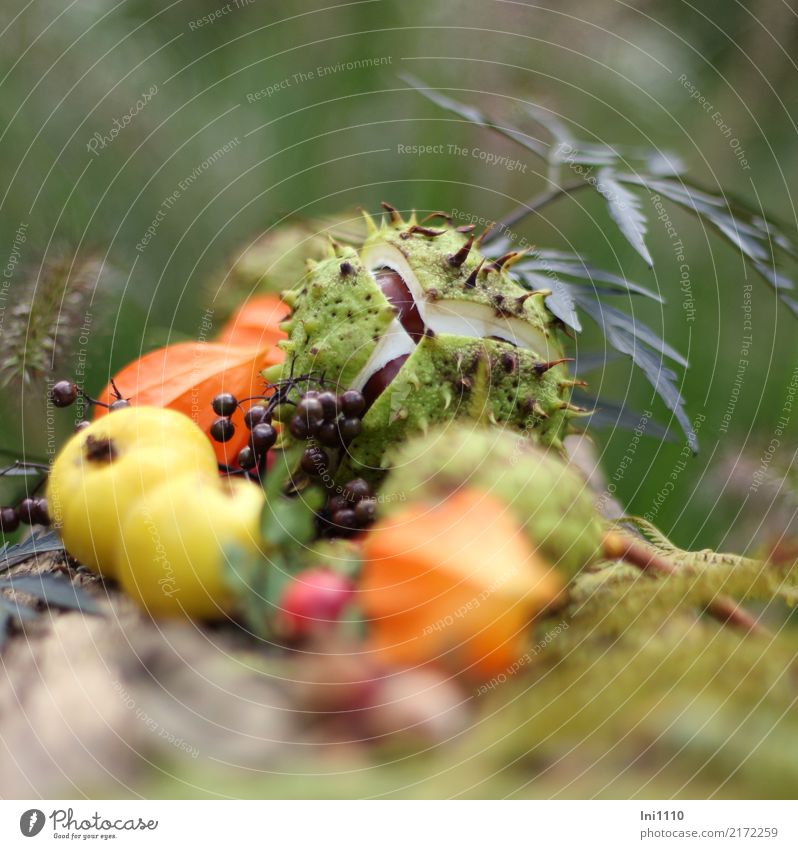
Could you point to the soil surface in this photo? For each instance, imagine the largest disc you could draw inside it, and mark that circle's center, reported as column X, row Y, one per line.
column 95, row 704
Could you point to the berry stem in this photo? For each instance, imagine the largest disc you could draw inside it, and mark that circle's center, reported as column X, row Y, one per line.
column 722, row 608
column 93, row 401
column 532, row 205
column 25, row 464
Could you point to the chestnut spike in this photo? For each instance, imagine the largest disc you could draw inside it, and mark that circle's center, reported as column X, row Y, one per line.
column 485, row 233
column 575, row 412
column 472, row 278
column 509, row 259
column 466, row 228
column 391, row 210
column 542, row 368
column 445, row 215
column 335, row 248
column 422, row 231
column 370, row 225
column 457, row 259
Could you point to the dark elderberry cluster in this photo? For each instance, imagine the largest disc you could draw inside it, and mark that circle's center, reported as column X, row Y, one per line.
column 329, row 419
column 353, row 508
column 257, row 420
column 328, row 422
column 29, row 511
column 325, row 421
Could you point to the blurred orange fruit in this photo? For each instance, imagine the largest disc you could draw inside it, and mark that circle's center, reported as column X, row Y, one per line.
column 454, row 583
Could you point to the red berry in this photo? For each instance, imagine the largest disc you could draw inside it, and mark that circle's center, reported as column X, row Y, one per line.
column 313, row 601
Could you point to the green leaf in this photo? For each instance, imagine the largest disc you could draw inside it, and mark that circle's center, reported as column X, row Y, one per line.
column 257, row 584
column 476, row 116
column 43, row 543
column 290, row 521
column 626, row 210
column 53, row 591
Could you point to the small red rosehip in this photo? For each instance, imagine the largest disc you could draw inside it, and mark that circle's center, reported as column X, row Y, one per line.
column 313, row 601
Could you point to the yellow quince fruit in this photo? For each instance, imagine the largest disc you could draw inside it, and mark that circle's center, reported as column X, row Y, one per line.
column 175, row 540
column 105, row 468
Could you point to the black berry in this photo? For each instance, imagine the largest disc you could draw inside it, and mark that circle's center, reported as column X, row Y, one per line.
column 222, row 430
column 119, row 404
column 329, row 405
column 9, row 520
column 27, row 511
column 314, row 461
column 356, row 490
column 224, row 404
column 64, row 393
column 255, row 415
column 82, row 426
column 247, row 459
column 352, row 403
column 344, row 519
column 40, row 514
column 263, row 437
column 327, row 434
column 311, row 411
column 365, row 511
column 299, row 428
column 349, row 428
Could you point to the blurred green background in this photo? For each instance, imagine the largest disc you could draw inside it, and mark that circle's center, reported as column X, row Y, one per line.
column 304, row 143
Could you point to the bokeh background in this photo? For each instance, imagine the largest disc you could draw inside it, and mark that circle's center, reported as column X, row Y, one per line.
column 300, row 142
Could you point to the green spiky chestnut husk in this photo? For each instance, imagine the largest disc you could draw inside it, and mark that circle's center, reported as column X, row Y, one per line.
column 489, row 348
column 275, row 261
column 547, row 496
